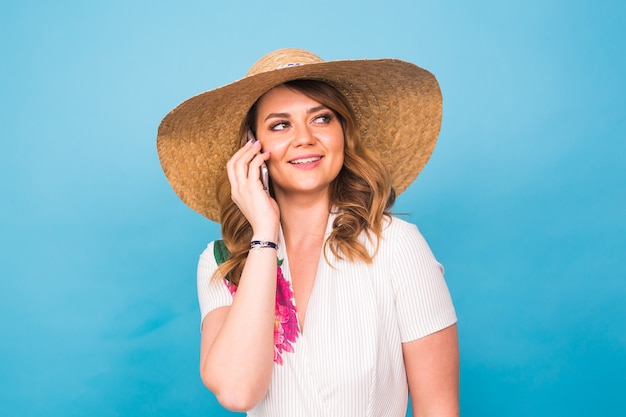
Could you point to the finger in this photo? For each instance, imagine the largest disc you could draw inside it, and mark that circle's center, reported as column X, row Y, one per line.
column 254, row 167
column 237, row 165
column 247, row 153
column 244, row 172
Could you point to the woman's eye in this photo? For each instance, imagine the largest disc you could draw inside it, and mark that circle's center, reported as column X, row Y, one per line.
column 324, row 118
column 279, row 126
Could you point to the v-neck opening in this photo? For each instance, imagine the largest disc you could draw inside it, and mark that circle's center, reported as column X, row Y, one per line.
column 287, row 264
column 311, row 293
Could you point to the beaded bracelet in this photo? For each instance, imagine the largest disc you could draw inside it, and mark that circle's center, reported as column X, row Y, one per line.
column 257, row 245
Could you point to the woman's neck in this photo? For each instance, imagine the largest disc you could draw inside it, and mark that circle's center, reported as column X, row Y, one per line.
column 304, row 219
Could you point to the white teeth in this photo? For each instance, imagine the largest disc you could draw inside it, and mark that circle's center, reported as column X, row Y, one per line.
column 306, row 160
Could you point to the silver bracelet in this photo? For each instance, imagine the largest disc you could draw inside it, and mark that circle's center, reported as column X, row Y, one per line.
column 257, row 245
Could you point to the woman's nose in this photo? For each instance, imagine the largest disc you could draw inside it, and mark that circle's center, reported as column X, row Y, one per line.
column 303, row 136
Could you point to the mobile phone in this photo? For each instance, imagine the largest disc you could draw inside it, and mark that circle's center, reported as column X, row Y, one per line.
column 265, row 176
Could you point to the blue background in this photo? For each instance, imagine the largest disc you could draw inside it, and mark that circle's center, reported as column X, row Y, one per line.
column 523, row 201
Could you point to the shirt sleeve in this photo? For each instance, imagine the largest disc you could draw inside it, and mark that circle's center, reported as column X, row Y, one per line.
column 212, row 293
column 423, row 301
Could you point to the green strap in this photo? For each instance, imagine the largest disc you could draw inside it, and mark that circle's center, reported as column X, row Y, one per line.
column 220, row 251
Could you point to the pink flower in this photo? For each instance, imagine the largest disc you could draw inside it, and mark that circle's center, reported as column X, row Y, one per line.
column 286, row 319
column 231, row 287
column 286, row 324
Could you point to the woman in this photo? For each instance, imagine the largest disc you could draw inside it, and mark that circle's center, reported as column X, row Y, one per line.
column 317, row 301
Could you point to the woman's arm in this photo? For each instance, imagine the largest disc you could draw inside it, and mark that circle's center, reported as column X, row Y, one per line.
column 237, row 347
column 432, row 367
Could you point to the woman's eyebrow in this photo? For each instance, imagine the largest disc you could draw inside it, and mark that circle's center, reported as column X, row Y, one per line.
column 277, row 115
column 286, row 115
column 316, row 109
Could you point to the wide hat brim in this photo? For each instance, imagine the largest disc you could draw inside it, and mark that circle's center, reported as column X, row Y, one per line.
column 397, row 106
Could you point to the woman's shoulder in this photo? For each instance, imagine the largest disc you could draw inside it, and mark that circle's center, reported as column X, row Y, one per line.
column 403, row 236
column 394, row 226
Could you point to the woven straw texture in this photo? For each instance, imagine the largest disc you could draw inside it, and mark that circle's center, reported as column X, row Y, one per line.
column 397, row 106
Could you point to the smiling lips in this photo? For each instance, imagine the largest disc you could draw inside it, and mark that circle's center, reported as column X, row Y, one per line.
column 307, row 160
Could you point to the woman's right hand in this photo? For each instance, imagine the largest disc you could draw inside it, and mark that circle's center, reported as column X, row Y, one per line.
column 245, row 329
column 247, row 192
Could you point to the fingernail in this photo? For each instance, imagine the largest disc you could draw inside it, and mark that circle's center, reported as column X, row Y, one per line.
column 255, row 142
column 249, row 142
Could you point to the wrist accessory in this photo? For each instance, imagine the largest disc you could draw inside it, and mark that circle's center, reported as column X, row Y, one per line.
column 257, row 245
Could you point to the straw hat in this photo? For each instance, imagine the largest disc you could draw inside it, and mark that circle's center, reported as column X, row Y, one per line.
column 397, row 107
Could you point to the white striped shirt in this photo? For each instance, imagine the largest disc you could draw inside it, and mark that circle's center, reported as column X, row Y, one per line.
column 348, row 361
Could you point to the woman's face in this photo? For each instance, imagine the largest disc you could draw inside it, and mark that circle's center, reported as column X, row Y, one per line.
column 305, row 140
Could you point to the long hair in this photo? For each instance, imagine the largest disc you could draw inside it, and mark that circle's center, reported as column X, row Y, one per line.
column 361, row 194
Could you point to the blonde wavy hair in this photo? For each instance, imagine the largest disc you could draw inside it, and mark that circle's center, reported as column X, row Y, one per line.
column 361, row 194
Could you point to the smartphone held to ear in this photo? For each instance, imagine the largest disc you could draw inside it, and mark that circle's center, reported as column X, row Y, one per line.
column 265, row 176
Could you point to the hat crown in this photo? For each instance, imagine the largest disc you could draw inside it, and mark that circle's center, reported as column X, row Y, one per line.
column 283, row 58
